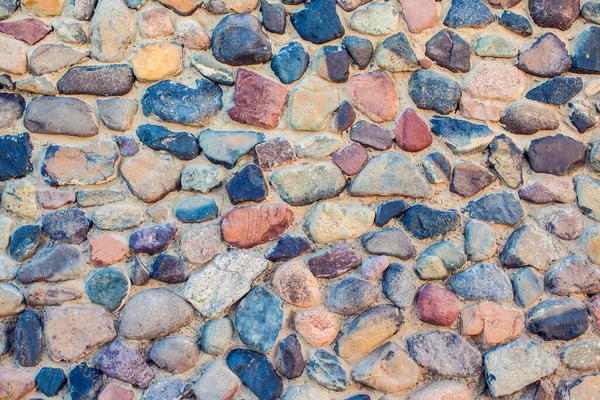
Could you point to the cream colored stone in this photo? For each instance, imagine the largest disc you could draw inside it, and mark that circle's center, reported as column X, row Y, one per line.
column 295, row 284
column 494, row 80
column 311, row 103
column 20, row 197
column 140, row 174
column 473, row 108
column 14, row 56
column 111, row 31
column 443, row 390
column 191, row 35
column 329, row 222
column 592, row 88
column 6, row 225
column 157, row 61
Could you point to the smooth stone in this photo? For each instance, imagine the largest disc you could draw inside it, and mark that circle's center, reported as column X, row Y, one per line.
column 374, row 19
column 50, row 381
column 52, row 263
column 200, row 244
column 547, row 14
column 480, row 241
column 425, row 222
column 152, row 239
column 238, row 144
column 231, row 6
column 549, row 189
column 290, row 63
column 412, row 133
column 106, row 43
column 390, row 242
column 557, row 155
column 272, row 220
column 291, row 359
column 469, row 178
column 110, row 80
column 239, row 40
column 140, row 275
column 155, row 23
column 12, row 106
column 317, row 146
column 584, row 58
column 168, row 268
column 482, row 281
column 118, row 216
column 573, row 274
column 395, row 54
column 507, row 160
column 447, row 49
column 580, row 356
column 494, row 80
column 53, row 295
column 334, row 261
column 55, row 199
column 15, row 384
column 526, row 118
column 351, row 295
column 69, row 32
column 217, row 382
column 171, row 388
column 217, row 336
column 424, row 83
column 344, row 116
column 112, row 391
column 259, row 318
column 202, row 178
column 374, row 94
column 128, row 147
column 461, row 136
column 318, row 22
column 306, row 184
column 327, row 371
column 372, row 267
column 182, row 145
column 437, row 305
column 28, row 339
column 196, row 209
column 440, row 260
column 154, row 313
column 391, row 209
column 562, row 221
column 124, row 363
column 156, row 61
column 329, row 222
column 371, row 135
column 419, row 15
column 49, row 58
column 516, row 23
column 36, row 85
column 528, row 286
column 193, row 36
column 17, row 64
column 84, row 382
column 556, row 59
column 441, row 389
column 360, row 50
column 557, row 91
column 499, row 207
column 213, row 70
column 273, row 17
column 296, row 284
column 108, row 287
column 247, row 185
column 318, row 328
column 437, row 167
column 558, row 319
column 587, row 189
column 15, row 155
column 311, row 103
column 495, row 46
column 468, row 14
column 256, row 372
column 136, row 169
column 60, row 116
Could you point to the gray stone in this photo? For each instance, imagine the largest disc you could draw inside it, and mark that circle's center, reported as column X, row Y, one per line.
column 217, row 382
column 529, row 246
column 327, row 371
column 431, row 90
column 213, row 70
column 69, row 32
column 54, row 262
column 500, row 207
column 61, row 116
column 558, row 319
column 202, row 178
column 108, row 44
column 36, row 85
column 7, row 8
column 11, row 108
column 95, row 198
column 108, row 287
column 238, row 144
column 565, row 222
column 507, row 160
column 317, row 146
column 49, row 58
column 118, row 217
column 582, row 356
column 528, row 117
column 175, row 354
column 117, row 113
column 588, row 195
column 306, row 184
column 440, row 260
column 305, row 392
column 573, row 274
column 482, row 281
column 240, row 40
column 169, row 388
column 391, row 242
column 352, row 295
column 217, row 336
column 102, row 80
column 461, row 136
column 437, row 167
column 450, row 51
column 528, row 286
column 480, row 242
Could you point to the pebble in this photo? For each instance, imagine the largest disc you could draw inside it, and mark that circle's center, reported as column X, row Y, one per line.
column 368, row 330
column 437, row 305
column 217, row 381
column 439, row 389
column 69, row 116
column 168, row 268
column 469, row 178
column 584, row 355
column 259, row 318
column 516, row 23
column 332, row 63
column 450, row 51
column 225, row 280
column 28, row 339
column 480, row 241
column 261, row 379
column 557, row 91
column 318, row 22
column 562, row 221
column 171, row 388
column 419, row 15
column 359, row 49
column 445, row 354
column 491, row 322
column 371, row 135
column 291, row 359
column 296, row 284
column 50, row 381
column 84, row 382
column 124, row 363
column 311, row 103
column 256, row 100
column 361, row 89
column 390, row 242
column 556, row 57
column 351, row 296
column 217, row 336
column 511, row 367
column 269, row 222
column 482, row 281
column 334, row 261
column 326, row 369
column 499, row 207
column 374, row 19
column 437, row 167
column 154, row 313
column 318, row 328
column 273, row 17
column 196, row 209
column 71, row 333
column 329, row 222
column 425, row 222
column 395, row 54
column 440, row 260
column 558, row 319
column 549, row 15
column 528, row 286
column 557, row 155
column 28, row 30
column 108, row 287
column 526, row 118
column 306, row 184
column 461, row 136
column 106, row 43
column 213, row 70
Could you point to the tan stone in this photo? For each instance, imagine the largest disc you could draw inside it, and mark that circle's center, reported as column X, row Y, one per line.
column 295, row 284
column 473, row 108
column 111, row 31
column 6, row 225
column 494, row 80
column 248, row 226
column 192, row 35
column 53, row 294
column 157, row 61
column 155, row 23
column 43, row 8
column 592, row 88
column 20, row 197
column 73, row 332
column 311, row 103
column 14, row 56
column 493, row 323
column 107, row 250
column 443, row 390
column 329, row 222
column 14, row 385
column 230, row 6
column 140, row 173
column 12, row 301
column 49, row 58
column 374, row 94
column 318, row 328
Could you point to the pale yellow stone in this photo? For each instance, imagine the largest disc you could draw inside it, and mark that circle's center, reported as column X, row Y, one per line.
column 6, row 225
column 20, row 198
column 43, row 8
column 156, row 61
column 311, row 103
column 329, row 222
column 111, row 31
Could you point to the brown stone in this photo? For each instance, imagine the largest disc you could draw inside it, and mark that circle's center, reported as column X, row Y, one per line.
column 437, row 305
column 493, row 322
column 273, row 153
column 566, row 222
column 54, row 199
column 374, row 94
column 573, row 274
column 412, row 133
column 248, row 226
column 14, row 56
column 318, row 328
column 53, row 294
column 334, row 261
column 554, row 14
column 295, row 284
column 73, row 332
column 472, row 108
column 43, row 8
column 351, row 158
column 14, row 385
column 112, row 391
column 140, row 174
column 257, row 100
column 546, row 57
column 155, row 23
column 469, row 178
column 107, row 250
column 419, row 14
column 557, row 155
column 549, row 189
column 200, row 244
column 28, row 30
column 369, row 134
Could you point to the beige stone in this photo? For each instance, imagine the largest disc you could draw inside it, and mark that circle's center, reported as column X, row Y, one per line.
column 311, row 103
column 140, row 174
column 295, row 284
column 53, row 294
column 493, row 323
column 494, row 80
column 443, row 390
column 11, row 300
column 14, row 385
column 157, row 61
column 49, row 58
column 43, row 8
column 6, row 225
column 592, row 88
column 111, row 31
column 473, row 108
column 14, row 56
column 191, row 35
column 230, row 6
column 20, row 197
column 329, row 222
column 318, row 328
column 182, row 7
column 201, row 244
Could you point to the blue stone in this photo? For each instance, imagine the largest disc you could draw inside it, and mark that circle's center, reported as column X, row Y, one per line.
column 586, row 57
column 528, row 286
column 196, row 209
column 359, row 397
column 135, row 4
column 583, row 115
column 273, row 17
column 468, row 14
column 259, row 318
column 289, row 247
column 227, row 147
column 238, row 39
column 29, row 339
column 431, row 90
column 15, row 154
column 182, row 145
column 169, row 269
column 558, row 319
column 482, row 281
column 326, row 369
column 558, row 90
column 69, row 226
column 256, row 371
column 461, row 136
column 389, row 210
column 516, row 23
column 425, row 222
column 108, row 287
column 128, row 147
column 140, row 276
column 437, row 167
column 171, row 101
column 290, row 63
column 291, row 359
column 50, row 381
column 318, row 22
column 500, row 207
column 399, row 285
column 400, row 53
column 247, row 185
column 24, row 241
column 360, row 50
column 152, row 239
column 12, row 105
column 84, row 382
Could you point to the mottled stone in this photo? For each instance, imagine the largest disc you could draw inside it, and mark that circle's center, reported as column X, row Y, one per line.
column 528, row 286
column 558, row 319
column 109, row 80
column 306, row 184
column 217, row 382
column 437, row 168
column 108, row 44
column 171, row 387
column 549, row 189
column 362, row 88
column 296, row 284
column 425, row 222
column 95, row 198
column 238, row 144
column 480, row 243
column 249, row 226
column 440, row 260
column 50, row 381
column 558, row 90
column 253, row 48
column 546, row 57
column 112, row 391
column 507, row 160
column 15, row 384
column 491, row 322
column 118, row 216
column 327, row 371
column 28, row 339
column 107, row 250
column 351, row 295
column 461, row 136
column 69, row 31
column 587, row 189
column 256, row 372
column 318, row 22
column 273, row 17
column 399, row 285
column 468, row 14
column 391, row 242
column 53, row 295
column 332, row 63
column 527, row 117
column 374, row 19
column 69, row 226
column 573, row 274
column 259, row 318
column 156, row 61
column 549, row 14
column 61, row 116
column 49, row 58
column 584, row 355
column 443, row 389
column 496, row 46
column 217, row 336
column 16, row 63
column 329, row 222
column 562, row 221
column 311, row 103
column 499, row 207
column 482, row 281
column 318, row 328
column 371, row 135
column 359, row 49
column 395, row 54
column 469, row 178
column 494, row 80
column 437, row 305
column 15, row 154
column 124, row 363
column 334, row 261
column 449, row 50
column 136, row 169
column 530, row 246
column 412, row 133
column 84, row 382
column 291, row 359
column 28, row 30
column 7, row 8
column 211, row 69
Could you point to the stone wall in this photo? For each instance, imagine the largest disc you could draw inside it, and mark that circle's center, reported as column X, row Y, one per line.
column 227, row 199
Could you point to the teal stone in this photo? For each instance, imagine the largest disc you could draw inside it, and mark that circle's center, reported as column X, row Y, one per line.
column 108, row 287
column 496, row 46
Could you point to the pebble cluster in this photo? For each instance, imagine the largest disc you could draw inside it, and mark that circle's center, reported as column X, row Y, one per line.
column 299, row 200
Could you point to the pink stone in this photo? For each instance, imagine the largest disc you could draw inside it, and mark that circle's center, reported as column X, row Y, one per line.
column 124, row 363
column 549, row 189
column 249, row 226
column 374, row 94
column 492, row 322
column 478, row 109
column 319, row 328
column 28, row 30
column 594, row 308
column 14, row 385
column 412, row 133
column 437, row 306
column 155, row 23
column 494, row 80
column 112, row 391
column 14, row 56
column 419, row 14
column 351, row 159
column 257, row 100
column 443, row 390
column 273, row 153
column 372, row 267
column 296, row 285
column 54, row 199
column 107, row 250
column 200, row 244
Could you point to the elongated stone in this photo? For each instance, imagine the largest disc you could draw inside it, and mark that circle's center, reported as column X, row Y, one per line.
column 259, row 318
column 61, row 116
column 108, row 44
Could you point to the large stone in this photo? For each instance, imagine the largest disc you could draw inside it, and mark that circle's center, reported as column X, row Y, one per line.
column 50, row 380
column 573, row 274
column 468, row 14
column 305, row 184
column 329, row 222
column 391, row 242
column 7, row 8
column 549, row 189
column 361, row 89
column 296, row 284
column 111, row 31
column 551, row 14
column 492, row 322
column 84, row 382
column 431, row 90
column 28, row 30
column 118, row 216
column 499, row 207
column 49, row 58
column 53, row 295
column 182, row 145
column 558, row 319
column 61, row 116
column 239, row 40
column 109, row 80
column 259, row 318
column 425, row 222
column 527, row 117
column 327, row 370
column 565, row 222
column 55, row 262
column 137, row 169
column 248, row 185
column 557, row 91
column 332, row 63
column 318, row 22
column 557, row 155
column 395, row 54
column 507, row 160
column 546, row 57
column 217, row 336
column 15, row 154
column 461, row 136
column 124, row 363
column 482, row 281
column 256, row 372
column 312, row 101
column 494, row 80
column 450, row 51
column 248, row 226
column 237, row 144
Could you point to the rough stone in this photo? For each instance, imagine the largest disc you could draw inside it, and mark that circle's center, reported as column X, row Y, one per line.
column 318, row 22
column 124, row 363
column 374, row 19
column 499, row 207
column 200, row 244
column 557, row 155
column 332, row 63
column 327, row 371
column 584, row 355
column 468, row 14
column 136, row 169
column 84, row 382
column 351, row 295
column 371, row 135
column 329, row 222
column 171, row 387
column 425, row 222
column 437, row 167
column 290, row 63
column 16, row 62
column 273, row 17
column 248, row 226
column 494, row 80
column 361, row 89
column 482, row 281
column 496, row 46
column 528, row 286
column 238, row 144
column 461, row 136
column 440, row 260
column 395, row 54
column 217, row 382
column 556, row 59
column 449, row 50
column 469, row 178
column 211, row 69
column 259, row 318
column 480, row 241
column 69, row 226
column 334, row 261
column 527, row 117
column 516, row 23
column 431, row 90
column 107, row 43
column 291, row 359
column 318, row 328
column 491, row 322
column 548, row 14
column 296, row 284
column 562, row 221
column 557, row 91
column 419, row 15
column 15, row 384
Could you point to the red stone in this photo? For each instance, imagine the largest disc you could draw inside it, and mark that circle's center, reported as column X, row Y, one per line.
column 257, row 100
column 107, row 250
column 412, row 133
column 273, row 153
column 28, row 30
column 437, row 306
column 113, row 391
column 351, row 159
column 374, row 94
column 248, row 226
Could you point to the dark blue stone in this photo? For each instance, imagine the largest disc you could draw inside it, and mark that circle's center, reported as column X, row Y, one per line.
column 247, row 185
column 459, row 134
column 259, row 318
column 50, row 381
column 256, row 371
column 482, row 281
column 586, row 54
column 389, row 210
column 516, row 23
column 238, row 39
column 29, row 339
column 290, row 63
column 431, row 90
column 171, row 101
column 196, row 209
column 24, row 241
column 359, row 397
column 360, row 50
column 402, row 51
column 182, row 145
column 108, row 287
column 169, row 269
column 582, row 115
column 69, row 226
column 140, row 276
column 84, row 382
column 558, row 90
column 152, row 239
column 326, row 369
column 558, row 319
column 344, row 116
column 500, row 207
column 273, row 16
column 318, row 22
column 336, row 61
column 289, row 247
column 424, row 222
column 468, row 14
column 291, row 359
column 15, row 155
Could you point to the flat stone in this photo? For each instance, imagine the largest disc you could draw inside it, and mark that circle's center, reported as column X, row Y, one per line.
column 329, row 222
column 496, row 46
column 511, row 367
column 200, row 244
column 50, row 381
column 296, row 284
column 507, row 160
column 136, row 169
column 69, row 32
column 107, row 250
column 468, row 14
column 54, row 199
column 549, row 189
column 238, row 144
column 549, row 15
column 424, row 83
column 171, row 387
column 528, row 286
column 69, row 226
column 391, row 209
column 334, row 261
column 332, row 63
column 587, row 189
column 154, row 313
column 351, row 295
column 318, row 328
column 469, row 178
column 562, row 221
column 445, row 354
column 491, row 322
column 516, row 23
column 317, row 146
column 327, row 371
column 360, row 50
column 584, row 355
column 390, row 242
column 374, row 19
column 482, row 281
column 182, row 145
column 290, row 63
column 20, row 198
column 15, row 154
column 106, row 43
column 196, row 209
column 108, row 80
column 291, row 359
column 311, row 103
column 273, row 153
column 84, row 382
column 557, row 91
column 71, row 333
column 556, row 57
column 213, row 70
column 289, row 246
column 499, row 207
column 558, row 319
column 306, row 184
column 24, row 241
column 36, row 85
column 424, row 222
column 52, row 263
column 526, row 118
column 112, row 391
column 171, row 101
column 61, row 116
column 118, row 216
column 440, row 260
column 17, row 62
column 95, row 198
column 447, row 49
column 318, row 22
column 202, row 178
column 437, row 305
column 437, row 167
column 273, row 17
column 217, row 382
column 480, row 241
column 530, row 246
column 53, row 295
column 254, row 48
column 395, row 54
column 49, row 58
column 494, row 80
column 15, row 384
column 238, row 230
column 557, row 155
column 371, row 135
column 461, row 136
column 419, row 15
column 124, row 363
column 231, row 6
column 261, row 378
column 28, row 30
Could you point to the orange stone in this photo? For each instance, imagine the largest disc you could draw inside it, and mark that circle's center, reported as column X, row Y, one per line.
column 43, row 8
column 248, row 226
column 113, row 391
column 492, row 322
column 318, row 328
column 107, row 250
column 374, row 94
